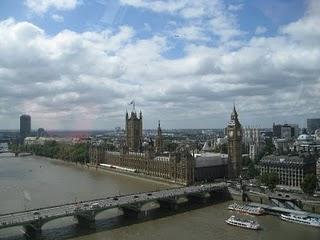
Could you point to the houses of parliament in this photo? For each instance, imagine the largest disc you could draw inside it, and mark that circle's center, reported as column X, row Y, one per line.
column 147, row 158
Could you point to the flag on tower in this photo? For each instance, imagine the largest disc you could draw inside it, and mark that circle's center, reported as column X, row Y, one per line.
column 26, row 195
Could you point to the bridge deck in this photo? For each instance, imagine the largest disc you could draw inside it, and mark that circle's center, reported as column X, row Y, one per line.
column 96, row 205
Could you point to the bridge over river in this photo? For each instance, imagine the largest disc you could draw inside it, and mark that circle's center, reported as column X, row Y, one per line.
column 85, row 211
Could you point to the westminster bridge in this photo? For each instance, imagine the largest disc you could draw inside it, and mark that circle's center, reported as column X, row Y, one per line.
column 86, row 211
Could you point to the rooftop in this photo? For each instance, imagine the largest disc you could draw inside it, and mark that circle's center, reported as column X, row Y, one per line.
column 209, row 159
column 286, row 159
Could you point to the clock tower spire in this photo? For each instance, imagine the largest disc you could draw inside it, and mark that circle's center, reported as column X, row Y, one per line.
column 234, row 131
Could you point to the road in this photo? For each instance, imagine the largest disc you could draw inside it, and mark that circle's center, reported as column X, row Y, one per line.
column 85, row 207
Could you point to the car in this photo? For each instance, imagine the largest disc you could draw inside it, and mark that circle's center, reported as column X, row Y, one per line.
column 36, row 213
column 95, row 205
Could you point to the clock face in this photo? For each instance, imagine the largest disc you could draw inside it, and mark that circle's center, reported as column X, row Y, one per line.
column 230, row 133
column 239, row 133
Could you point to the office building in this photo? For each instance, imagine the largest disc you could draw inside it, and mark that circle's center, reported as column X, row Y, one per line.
column 290, row 169
column 286, row 131
column 313, row 124
column 25, row 126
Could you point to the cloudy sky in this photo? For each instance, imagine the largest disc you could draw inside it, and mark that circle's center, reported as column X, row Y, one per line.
column 76, row 64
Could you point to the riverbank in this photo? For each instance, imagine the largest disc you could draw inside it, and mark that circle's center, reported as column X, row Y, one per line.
column 261, row 198
column 116, row 172
column 11, row 154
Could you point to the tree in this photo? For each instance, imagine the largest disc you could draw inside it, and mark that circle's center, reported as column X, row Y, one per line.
column 169, row 146
column 273, row 180
column 64, row 151
column 309, row 184
column 252, row 170
column 270, row 180
column 268, row 149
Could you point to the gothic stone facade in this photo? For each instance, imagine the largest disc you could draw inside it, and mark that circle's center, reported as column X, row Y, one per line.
column 134, row 131
column 177, row 167
column 234, row 131
column 159, row 141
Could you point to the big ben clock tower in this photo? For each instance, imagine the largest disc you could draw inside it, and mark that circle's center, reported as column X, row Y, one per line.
column 234, row 131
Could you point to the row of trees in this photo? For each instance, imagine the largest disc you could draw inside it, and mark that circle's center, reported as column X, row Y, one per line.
column 308, row 185
column 52, row 149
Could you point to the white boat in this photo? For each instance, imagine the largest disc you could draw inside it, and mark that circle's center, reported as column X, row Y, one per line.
column 301, row 219
column 243, row 223
column 246, row 209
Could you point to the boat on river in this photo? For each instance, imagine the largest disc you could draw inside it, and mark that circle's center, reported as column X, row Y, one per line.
column 301, row 219
column 246, row 209
column 243, row 223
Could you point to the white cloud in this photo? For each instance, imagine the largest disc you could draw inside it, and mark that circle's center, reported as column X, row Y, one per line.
column 157, row 5
column 91, row 76
column 213, row 16
column 42, row 6
column 235, row 7
column 57, row 18
column 260, row 30
column 306, row 30
column 191, row 33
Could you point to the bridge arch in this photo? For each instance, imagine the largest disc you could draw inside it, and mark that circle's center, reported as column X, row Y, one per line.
column 52, row 221
column 109, row 212
column 149, row 205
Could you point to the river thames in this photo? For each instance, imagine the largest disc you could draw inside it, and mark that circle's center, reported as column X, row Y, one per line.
column 33, row 182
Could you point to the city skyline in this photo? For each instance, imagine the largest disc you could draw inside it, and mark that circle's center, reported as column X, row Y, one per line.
column 78, row 64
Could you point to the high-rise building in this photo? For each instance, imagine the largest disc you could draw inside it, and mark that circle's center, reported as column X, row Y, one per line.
column 234, row 131
column 313, row 124
column 25, row 126
column 276, row 130
column 286, row 131
column 134, row 131
column 159, row 139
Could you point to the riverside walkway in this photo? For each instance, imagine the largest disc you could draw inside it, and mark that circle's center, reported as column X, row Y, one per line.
column 85, row 211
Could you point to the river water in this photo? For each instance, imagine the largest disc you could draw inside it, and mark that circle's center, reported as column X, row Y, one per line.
column 33, row 182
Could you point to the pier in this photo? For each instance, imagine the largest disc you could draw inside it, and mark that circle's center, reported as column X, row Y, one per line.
column 274, row 210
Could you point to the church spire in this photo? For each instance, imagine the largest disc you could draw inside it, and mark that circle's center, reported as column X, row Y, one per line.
column 159, row 128
column 234, row 114
column 159, row 139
